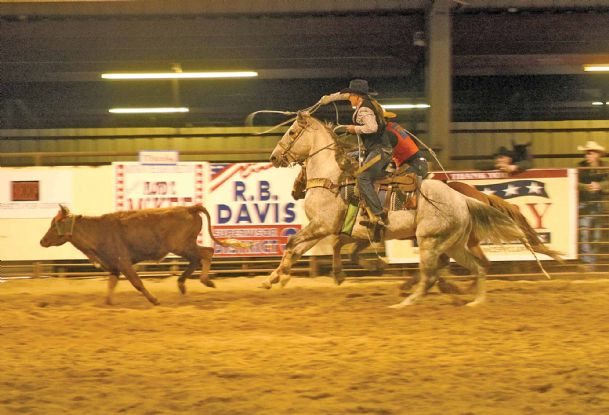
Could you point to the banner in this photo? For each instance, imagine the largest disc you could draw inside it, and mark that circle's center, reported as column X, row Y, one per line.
column 139, row 186
column 547, row 198
column 252, row 202
column 34, row 193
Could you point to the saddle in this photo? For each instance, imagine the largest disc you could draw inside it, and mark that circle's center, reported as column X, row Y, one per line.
column 396, row 192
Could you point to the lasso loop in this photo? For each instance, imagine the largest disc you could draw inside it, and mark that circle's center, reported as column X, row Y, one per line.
column 249, row 120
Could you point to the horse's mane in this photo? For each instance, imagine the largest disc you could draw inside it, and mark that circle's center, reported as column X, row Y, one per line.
column 343, row 146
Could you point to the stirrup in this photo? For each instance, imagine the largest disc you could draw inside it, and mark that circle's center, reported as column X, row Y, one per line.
column 373, row 222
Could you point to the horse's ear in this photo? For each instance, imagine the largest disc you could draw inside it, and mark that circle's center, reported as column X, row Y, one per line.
column 63, row 211
column 301, row 118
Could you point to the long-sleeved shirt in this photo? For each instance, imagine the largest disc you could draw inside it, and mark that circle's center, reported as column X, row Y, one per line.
column 366, row 123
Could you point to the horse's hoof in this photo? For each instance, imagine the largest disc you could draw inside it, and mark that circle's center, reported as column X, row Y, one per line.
column 284, row 281
column 208, row 283
column 475, row 303
column 408, row 301
column 182, row 288
column 339, row 278
column 266, row 285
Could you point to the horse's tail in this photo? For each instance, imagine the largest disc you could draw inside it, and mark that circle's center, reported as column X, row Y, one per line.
column 536, row 243
column 222, row 242
column 492, row 225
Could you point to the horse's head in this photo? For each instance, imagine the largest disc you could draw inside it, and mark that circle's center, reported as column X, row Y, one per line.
column 296, row 144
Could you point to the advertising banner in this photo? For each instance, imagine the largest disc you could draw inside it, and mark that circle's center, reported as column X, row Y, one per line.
column 142, row 186
column 252, row 202
column 547, row 198
column 34, row 193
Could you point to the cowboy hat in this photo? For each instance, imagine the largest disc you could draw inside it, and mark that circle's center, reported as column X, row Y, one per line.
column 359, row 87
column 592, row 146
column 503, row 151
column 389, row 114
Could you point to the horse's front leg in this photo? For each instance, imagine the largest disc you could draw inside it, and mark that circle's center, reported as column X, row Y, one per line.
column 297, row 245
column 428, row 270
column 337, row 265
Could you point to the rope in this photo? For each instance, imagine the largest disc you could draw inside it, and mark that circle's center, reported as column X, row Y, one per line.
column 433, row 153
column 249, row 120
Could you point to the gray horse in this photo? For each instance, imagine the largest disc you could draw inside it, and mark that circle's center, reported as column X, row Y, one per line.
column 441, row 223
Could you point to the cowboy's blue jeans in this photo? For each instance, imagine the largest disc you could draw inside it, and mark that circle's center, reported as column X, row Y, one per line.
column 589, row 232
column 365, row 181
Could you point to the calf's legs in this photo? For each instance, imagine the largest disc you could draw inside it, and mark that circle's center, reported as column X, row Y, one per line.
column 112, row 281
column 202, row 255
column 206, row 254
column 127, row 270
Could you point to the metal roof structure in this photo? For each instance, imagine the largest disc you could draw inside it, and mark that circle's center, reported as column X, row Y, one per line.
column 512, row 60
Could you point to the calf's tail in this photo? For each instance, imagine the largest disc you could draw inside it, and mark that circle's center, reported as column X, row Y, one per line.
column 222, row 242
column 492, row 225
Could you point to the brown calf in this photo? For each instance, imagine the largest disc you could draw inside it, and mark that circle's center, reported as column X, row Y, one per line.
column 118, row 240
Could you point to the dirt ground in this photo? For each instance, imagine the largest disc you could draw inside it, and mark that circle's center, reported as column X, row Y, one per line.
column 310, row 348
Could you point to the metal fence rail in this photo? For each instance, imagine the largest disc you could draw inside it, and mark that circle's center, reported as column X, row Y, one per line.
column 306, row 267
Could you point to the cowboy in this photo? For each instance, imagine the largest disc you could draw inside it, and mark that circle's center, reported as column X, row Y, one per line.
column 593, row 187
column 369, row 125
column 405, row 150
column 513, row 161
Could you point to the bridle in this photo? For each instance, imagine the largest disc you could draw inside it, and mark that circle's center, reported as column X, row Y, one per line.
column 287, row 154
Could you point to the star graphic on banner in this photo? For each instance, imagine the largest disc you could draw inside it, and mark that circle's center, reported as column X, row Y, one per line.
column 488, row 191
column 511, row 190
column 535, row 188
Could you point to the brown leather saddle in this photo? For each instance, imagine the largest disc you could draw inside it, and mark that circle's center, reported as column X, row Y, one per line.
column 397, row 192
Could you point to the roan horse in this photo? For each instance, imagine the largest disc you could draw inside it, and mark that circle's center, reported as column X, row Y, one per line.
column 442, row 222
column 473, row 244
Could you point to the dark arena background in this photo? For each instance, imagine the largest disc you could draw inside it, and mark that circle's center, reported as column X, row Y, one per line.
column 473, row 80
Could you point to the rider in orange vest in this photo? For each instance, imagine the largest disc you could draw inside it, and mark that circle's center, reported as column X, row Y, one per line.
column 405, row 150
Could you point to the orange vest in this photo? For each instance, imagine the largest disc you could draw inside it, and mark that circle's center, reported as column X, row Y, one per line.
column 405, row 147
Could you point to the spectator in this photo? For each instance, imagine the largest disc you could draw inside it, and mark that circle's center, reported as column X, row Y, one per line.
column 513, row 161
column 593, row 186
column 516, row 160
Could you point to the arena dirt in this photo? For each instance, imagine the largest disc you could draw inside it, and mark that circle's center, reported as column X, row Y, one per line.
column 310, row 348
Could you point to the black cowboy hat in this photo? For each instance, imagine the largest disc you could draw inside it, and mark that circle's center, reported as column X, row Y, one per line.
column 503, row 151
column 359, row 87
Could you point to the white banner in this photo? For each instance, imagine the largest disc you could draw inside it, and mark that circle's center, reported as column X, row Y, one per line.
column 252, row 202
column 139, row 186
column 547, row 199
column 29, row 193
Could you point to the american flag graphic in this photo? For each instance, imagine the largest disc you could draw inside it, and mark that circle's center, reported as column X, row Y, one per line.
column 515, row 188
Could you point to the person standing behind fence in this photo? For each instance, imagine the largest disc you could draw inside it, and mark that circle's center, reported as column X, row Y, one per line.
column 593, row 188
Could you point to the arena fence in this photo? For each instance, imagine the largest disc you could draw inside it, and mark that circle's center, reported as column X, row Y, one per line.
column 596, row 223
column 306, row 267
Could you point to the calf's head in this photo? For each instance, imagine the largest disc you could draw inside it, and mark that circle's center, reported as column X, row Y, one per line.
column 60, row 230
